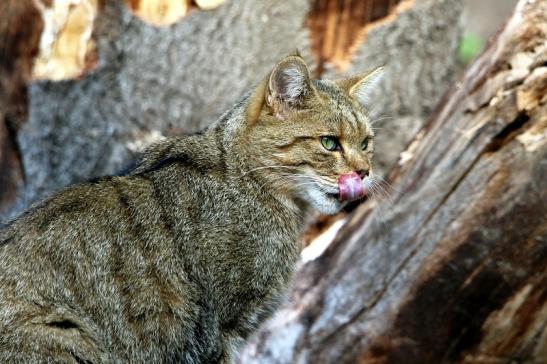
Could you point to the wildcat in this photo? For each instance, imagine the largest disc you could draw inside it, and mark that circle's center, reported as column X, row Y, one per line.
column 183, row 257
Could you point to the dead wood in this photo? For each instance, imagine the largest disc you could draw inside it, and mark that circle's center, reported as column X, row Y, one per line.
column 456, row 272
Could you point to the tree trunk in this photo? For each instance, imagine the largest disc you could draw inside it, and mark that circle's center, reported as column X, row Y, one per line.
column 145, row 82
column 456, row 270
column 20, row 28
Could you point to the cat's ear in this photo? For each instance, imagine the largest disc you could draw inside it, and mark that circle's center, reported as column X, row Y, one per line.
column 288, row 86
column 360, row 87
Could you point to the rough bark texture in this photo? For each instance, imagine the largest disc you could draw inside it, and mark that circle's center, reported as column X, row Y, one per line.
column 19, row 38
column 151, row 82
column 457, row 270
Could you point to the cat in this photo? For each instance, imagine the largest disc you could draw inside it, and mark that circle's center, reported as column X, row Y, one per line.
column 184, row 256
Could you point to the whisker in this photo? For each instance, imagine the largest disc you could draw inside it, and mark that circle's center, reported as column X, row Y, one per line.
column 381, row 118
column 385, row 183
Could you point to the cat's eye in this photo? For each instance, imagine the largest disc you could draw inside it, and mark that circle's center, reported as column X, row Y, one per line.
column 364, row 144
column 330, row 143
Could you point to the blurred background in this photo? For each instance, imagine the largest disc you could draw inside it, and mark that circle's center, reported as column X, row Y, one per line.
column 481, row 19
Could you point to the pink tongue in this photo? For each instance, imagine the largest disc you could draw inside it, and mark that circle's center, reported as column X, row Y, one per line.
column 350, row 186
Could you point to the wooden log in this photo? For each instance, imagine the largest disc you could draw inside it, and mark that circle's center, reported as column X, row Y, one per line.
column 67, row 49
column 457, row 270
column 337, row 28
column 162, row 13
column 159, row 12
column 20, row 29
column 208, row 4
column 39, row 40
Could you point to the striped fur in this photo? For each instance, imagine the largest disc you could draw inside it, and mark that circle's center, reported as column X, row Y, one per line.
column 183, row 257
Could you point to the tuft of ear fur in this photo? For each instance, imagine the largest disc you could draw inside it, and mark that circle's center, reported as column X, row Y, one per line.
column 288, row 85
column 361, row 86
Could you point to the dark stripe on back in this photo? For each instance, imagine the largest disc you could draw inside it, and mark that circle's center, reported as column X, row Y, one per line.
column 52, row 214
column 136, row 229
column 181, row 160
column 100, row 179
column 166, row 162
column 8, row 240
column 157, row 195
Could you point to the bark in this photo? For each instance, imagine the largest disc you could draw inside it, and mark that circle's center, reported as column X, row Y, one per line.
column 19, row 38
column 456, row 272
column 152, row 82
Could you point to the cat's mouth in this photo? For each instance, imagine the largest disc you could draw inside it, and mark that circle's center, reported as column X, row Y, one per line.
column 350, row 187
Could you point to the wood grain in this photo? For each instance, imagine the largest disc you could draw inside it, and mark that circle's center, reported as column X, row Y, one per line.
column 337, row 28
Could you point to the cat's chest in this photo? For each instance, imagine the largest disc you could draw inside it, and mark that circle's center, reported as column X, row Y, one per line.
column 273, row 240
column 253, row 290
column 261, row 253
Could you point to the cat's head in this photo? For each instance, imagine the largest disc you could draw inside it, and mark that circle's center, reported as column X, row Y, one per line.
column 313, row 138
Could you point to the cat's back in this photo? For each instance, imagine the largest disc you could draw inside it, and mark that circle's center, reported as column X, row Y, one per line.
column 120, row 261
column 98, row 262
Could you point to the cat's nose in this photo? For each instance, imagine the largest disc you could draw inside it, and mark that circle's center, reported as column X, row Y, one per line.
column 362, row 173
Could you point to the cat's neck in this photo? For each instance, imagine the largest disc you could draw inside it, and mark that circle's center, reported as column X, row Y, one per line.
column 241, row 162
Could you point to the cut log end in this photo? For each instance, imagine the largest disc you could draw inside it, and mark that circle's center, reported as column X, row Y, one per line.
column 208, row 4
column 159, row 12
column 337, row 29
column 162, row 13
column 66, row 48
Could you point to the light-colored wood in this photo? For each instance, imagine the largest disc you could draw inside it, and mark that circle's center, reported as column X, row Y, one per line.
column 66, row 48
column 338, row 28
column 209, row 4
column 159, row 12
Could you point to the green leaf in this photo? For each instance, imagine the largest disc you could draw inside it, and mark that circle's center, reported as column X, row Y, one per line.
column 470, row 47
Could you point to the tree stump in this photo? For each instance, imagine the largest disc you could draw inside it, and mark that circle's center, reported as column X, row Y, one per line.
column 456, row 270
